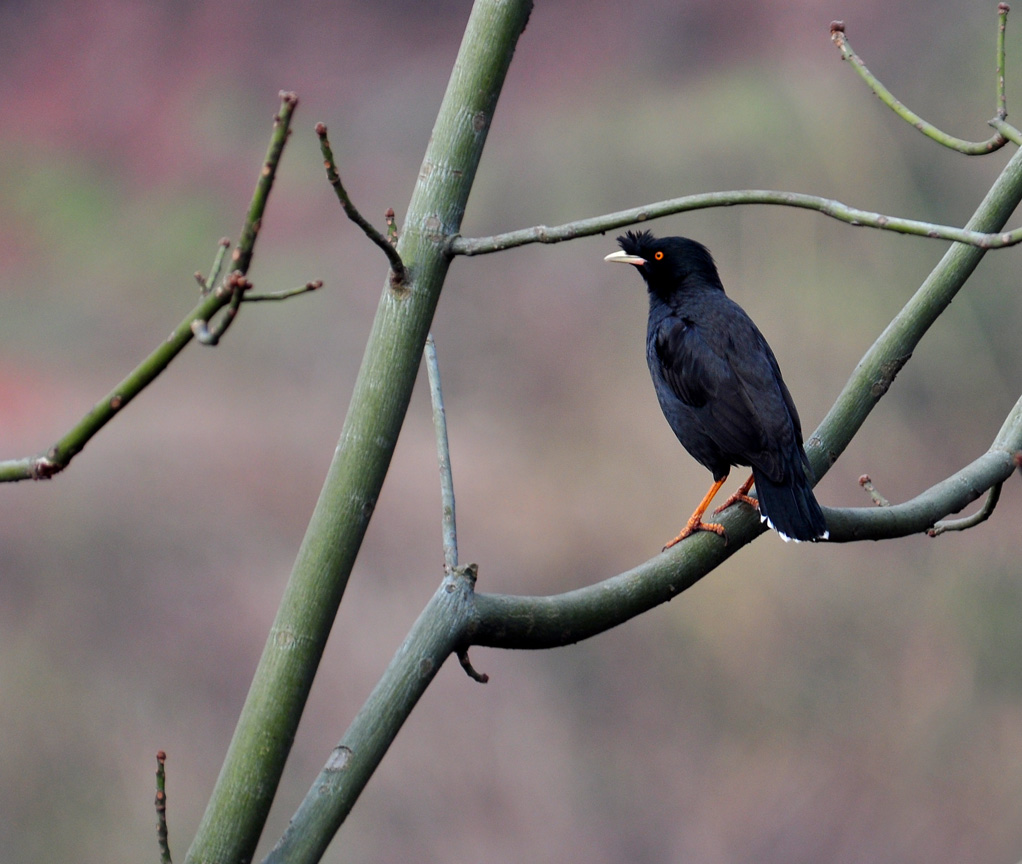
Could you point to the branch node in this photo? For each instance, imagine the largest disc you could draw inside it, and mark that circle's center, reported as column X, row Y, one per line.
column 45, row 467
column 235, row 286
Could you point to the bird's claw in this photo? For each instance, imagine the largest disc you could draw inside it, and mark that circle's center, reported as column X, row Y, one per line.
column 736, row 498
column 698, row 525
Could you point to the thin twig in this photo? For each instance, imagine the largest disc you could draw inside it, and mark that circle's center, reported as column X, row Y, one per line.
column 969, row 148
column 866, row 483
column 470, row 670
column 241, row 257
column 206, row 285
column 391, row 226
column 448, row 521
column 397, row 266
column 161, row 808
column 443, row 454
column 1002, row 26
column 57, row 458
column 967, row 522
column 284, row 295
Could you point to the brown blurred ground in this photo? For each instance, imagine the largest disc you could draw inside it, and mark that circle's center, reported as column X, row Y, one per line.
column 852, row 704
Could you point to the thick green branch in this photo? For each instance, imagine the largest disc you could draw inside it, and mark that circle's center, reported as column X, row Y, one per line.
column 58, row 457
column 352, row 762
column 262, row 740
column 877, row 369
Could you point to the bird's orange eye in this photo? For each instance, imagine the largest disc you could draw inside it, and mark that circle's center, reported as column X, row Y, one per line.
column 659, row 256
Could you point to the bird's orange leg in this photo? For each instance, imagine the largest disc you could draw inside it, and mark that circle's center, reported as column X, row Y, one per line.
column 741, row 495
column 695, row 521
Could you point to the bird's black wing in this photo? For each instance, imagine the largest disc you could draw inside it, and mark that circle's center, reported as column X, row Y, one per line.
column 691, row 367
column 729, row 377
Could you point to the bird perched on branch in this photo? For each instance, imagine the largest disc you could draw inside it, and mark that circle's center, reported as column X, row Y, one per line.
column 720, row 387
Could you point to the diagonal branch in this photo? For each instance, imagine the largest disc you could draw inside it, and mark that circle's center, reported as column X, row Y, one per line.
column 57, row 458
column 241, row 799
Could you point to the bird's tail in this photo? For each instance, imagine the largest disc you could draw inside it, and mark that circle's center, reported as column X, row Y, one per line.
column 789, row 507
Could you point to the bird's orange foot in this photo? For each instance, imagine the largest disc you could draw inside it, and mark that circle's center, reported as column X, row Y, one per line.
column 734, row 499
column 741, row 494
column 694, row 525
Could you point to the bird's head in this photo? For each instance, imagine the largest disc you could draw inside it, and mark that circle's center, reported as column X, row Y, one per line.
column 668, row 264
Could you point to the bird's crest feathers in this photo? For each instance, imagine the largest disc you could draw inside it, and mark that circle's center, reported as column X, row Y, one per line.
column 670, row 262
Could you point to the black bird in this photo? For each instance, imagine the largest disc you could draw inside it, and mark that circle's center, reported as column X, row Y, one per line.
column 720, row 387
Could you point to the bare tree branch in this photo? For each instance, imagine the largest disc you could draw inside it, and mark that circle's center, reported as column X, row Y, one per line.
column 977, row 518
column 244, row 791
column 443, row 452
column 397, row 266
column 59, row 456
column 162, row 838
column 969, row 148
column 286, row 294
column 469, row 246
column 206, row 284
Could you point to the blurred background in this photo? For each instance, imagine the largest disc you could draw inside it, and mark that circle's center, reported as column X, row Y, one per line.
column 855, row 703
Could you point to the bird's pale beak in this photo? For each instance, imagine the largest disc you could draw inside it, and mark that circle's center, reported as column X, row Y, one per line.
column 623, row 257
